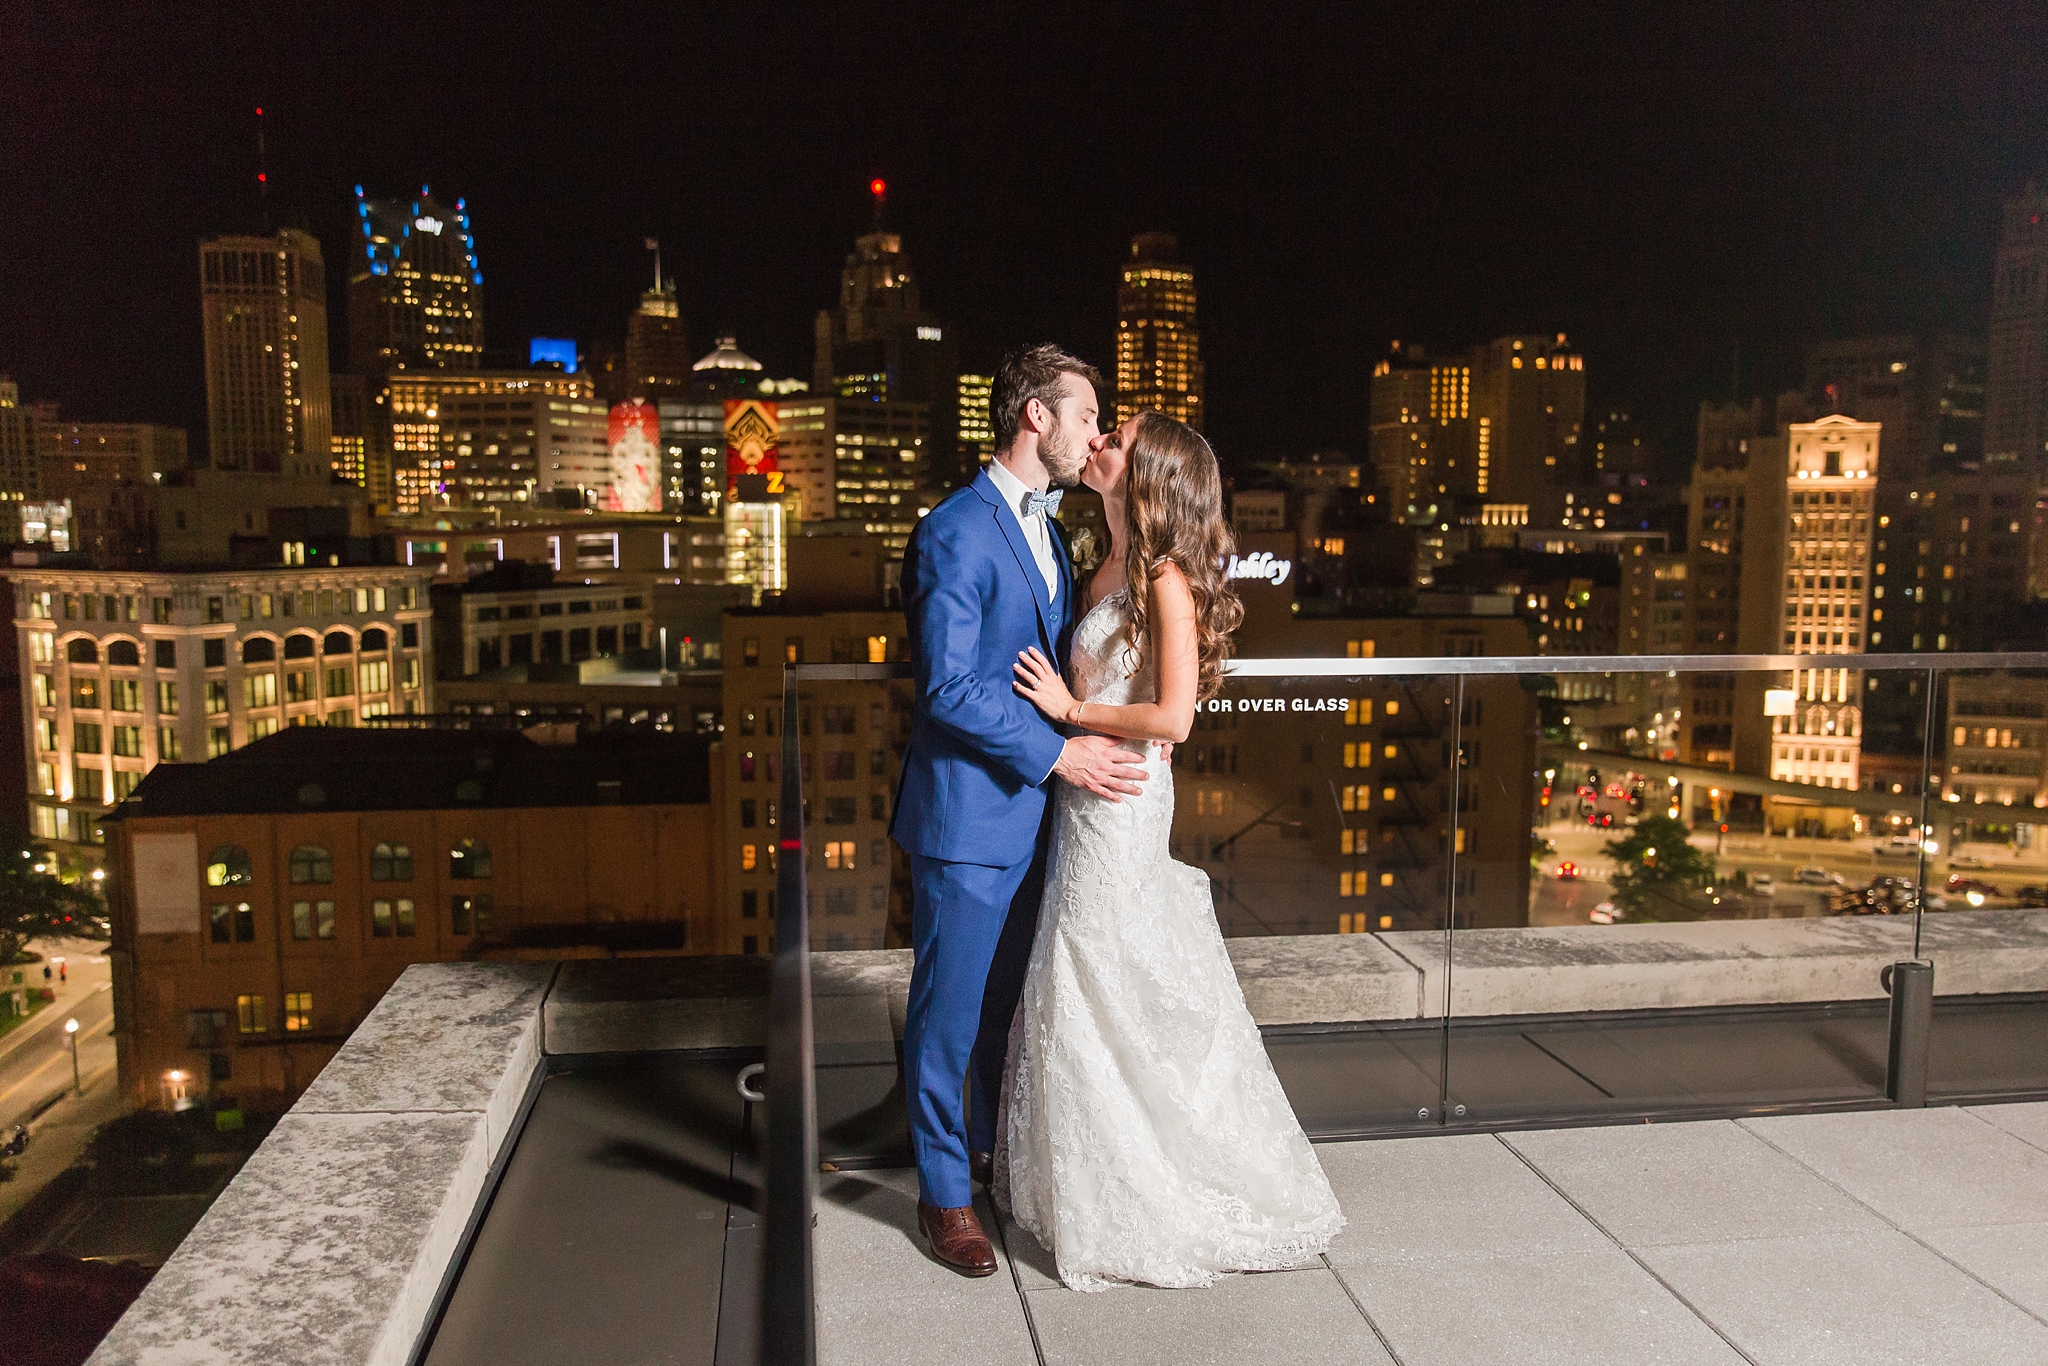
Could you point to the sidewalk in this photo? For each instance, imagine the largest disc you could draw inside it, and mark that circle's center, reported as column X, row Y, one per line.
column 86, row 965
column 1915, row 1237
column 58, row 1137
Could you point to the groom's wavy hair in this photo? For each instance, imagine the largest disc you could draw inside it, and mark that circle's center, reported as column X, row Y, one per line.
column 1173, row 511
column 1028, row 374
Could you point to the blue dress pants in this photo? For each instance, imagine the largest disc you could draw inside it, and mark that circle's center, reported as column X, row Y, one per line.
column 971, row 932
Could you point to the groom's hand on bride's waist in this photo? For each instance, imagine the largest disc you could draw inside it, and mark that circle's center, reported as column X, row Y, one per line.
column 1102, row 766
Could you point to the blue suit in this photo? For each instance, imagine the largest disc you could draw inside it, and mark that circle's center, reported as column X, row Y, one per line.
column 972, row 813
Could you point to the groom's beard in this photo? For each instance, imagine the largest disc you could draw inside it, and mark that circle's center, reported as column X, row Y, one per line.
column 1063, row 463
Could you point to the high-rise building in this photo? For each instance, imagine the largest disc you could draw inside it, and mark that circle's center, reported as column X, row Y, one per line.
column 1823, row 588
column 2016, row 385
column 977, row 433
column 76, row 454
column 21, row 460
column 1528, row 412
column 1158, row 342
column 495, row 437
column 264, row 306
column 880, row 346
column 349, row 404
column 1927, row 393
column 657, row 350
column 1399, row 440
column 182, row 667
column 416, row 293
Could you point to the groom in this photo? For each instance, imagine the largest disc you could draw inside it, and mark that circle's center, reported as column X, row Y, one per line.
column 985, row 576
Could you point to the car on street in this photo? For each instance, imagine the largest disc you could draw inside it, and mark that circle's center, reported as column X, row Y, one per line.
column 1963, row 885
column 1606, row 913
column 1567, row 871
column 1818, row 877
column 1763, row 884
column 1968, row 861
column 1898, row 846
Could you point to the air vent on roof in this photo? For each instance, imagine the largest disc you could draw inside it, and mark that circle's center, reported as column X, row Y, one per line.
column 312, row 794
column 469, row 790
column 608, row 789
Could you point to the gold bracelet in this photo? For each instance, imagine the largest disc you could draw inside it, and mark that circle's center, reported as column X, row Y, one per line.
column 1074, row 716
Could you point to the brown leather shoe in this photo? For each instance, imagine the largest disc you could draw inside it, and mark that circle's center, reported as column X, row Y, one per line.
column 982, row 1167
column 957, row 1239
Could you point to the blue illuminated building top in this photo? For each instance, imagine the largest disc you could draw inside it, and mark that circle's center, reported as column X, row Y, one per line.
column 552, row 351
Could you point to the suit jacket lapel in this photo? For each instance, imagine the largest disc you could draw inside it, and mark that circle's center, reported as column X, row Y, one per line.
column 1034, row 578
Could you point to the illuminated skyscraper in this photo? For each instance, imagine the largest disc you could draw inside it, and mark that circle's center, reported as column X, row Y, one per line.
column 264, row 308
column 21, row 461
column 1816, row 716
column 657, row 352
column 350, row 445
column 977, row 433
column 1158, row 346
column 880, row 346
column 2016, row 387
column 416, row 294
column 1527, row 409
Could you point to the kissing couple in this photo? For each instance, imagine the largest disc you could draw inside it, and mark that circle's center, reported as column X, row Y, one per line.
column 1076, row 1039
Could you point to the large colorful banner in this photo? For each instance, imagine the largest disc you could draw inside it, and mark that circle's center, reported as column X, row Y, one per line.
column 751, row 429
column 636, row 458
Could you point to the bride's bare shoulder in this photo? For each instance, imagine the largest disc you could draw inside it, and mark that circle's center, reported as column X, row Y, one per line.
column 1170, row 588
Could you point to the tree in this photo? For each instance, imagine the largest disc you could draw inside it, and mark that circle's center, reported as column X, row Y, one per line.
column 1659, row 875
column 34, row 905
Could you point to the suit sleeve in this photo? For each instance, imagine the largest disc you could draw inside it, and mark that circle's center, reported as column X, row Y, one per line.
column 943, row 581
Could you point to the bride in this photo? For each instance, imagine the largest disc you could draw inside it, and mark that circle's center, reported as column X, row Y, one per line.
column 1146, row 1137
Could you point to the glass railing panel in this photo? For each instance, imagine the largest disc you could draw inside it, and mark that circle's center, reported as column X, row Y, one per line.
column 1989, row 817
column 1319, row 809
column 852, row 731
column 1695, row 837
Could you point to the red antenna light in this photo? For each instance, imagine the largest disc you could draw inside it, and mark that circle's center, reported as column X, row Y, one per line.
column 878, row 187
column 262, row 178
column 259, row 111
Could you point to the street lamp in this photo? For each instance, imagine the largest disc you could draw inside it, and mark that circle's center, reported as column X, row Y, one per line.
column 71, row 1039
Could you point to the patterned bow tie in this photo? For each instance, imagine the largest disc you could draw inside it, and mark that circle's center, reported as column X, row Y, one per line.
column 1047, row 503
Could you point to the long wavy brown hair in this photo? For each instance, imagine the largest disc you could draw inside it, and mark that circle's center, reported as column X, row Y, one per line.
column 1173, row 512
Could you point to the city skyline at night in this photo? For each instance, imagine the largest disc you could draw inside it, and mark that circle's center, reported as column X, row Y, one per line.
column 1658, row 214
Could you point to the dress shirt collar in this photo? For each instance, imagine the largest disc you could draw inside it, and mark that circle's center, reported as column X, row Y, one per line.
column 1010, row 486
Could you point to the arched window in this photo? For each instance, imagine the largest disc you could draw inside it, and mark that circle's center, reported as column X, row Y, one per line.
column 1852, row 722
column 1816, row 720
column 82, row 651
column 391, row 863
column 228, row 866
column 123, row 652
column 337, row 643
column 376, row 639
column 299, row 647
column 311, row 863
column 469, row 859
column 259, row 650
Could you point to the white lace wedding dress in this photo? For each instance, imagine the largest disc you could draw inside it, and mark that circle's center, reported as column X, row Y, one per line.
column 1146, row 1137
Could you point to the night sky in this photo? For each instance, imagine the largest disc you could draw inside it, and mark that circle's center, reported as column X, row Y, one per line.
column 1660, row 182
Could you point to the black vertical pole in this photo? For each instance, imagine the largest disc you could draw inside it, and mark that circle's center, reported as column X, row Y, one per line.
column 1443, row 1075
column 789, row 1333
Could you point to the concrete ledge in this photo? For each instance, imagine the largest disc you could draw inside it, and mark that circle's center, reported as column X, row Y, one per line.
column 1717, row 963
column 1324, row 978
column 330, row 1244
column 453, row 1037
column 326, row 1249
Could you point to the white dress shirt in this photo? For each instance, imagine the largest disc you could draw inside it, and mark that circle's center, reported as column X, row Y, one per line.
column 1037, row 534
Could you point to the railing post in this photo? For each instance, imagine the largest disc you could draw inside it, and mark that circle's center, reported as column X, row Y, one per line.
column 1911, row 987
column 789, row 1334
